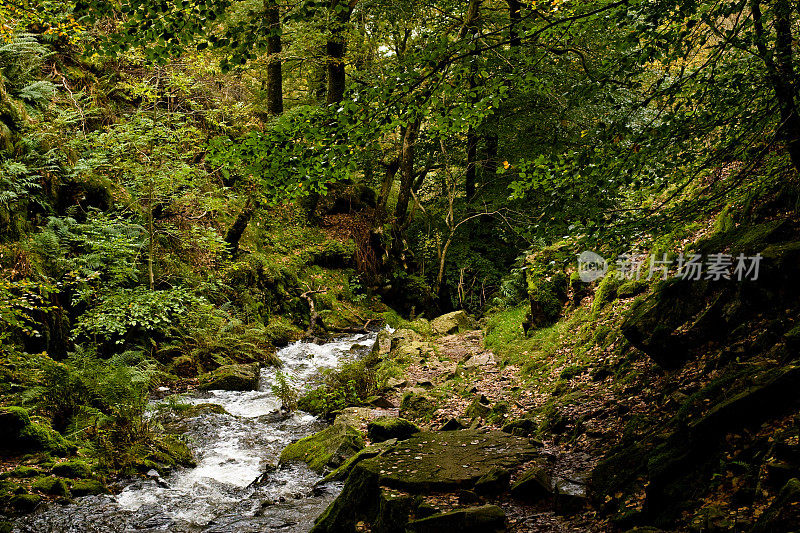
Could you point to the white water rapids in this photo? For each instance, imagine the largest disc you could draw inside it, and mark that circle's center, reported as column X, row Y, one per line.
column 235, row 486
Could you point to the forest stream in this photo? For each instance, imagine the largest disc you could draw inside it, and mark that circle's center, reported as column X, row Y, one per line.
column 237, row 485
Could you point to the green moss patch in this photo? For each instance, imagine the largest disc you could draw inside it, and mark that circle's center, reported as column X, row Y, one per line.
column 327, row 449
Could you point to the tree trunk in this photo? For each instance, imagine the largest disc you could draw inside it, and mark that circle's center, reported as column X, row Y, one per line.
column 151, row 238
column 406, row 172
column 472, row 152
column 515, row 17
column 335, row 48
column 471, row 26
column 491, row 142
column 235, row 232
column 335, row 69
column 317, row 78
column 274, row 73
column 781, row 74
column 386, row 187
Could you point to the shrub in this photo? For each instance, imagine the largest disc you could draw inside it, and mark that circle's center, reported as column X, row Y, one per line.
column 135, row 312
column 214, row 339
column 282, row 388
column 347, row 386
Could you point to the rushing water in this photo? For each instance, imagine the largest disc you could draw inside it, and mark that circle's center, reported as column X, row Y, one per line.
column 236, row 486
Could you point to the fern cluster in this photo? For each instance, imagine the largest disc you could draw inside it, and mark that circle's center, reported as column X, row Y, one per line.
column 212, row 339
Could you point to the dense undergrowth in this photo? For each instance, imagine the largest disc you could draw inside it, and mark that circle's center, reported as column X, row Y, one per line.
column 116, row 278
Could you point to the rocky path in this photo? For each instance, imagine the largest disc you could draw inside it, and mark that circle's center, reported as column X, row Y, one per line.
column 474, row 459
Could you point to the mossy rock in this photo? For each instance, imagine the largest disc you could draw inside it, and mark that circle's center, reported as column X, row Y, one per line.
column 373, row 450
column 25, row 503
column 74, row 469
column 23, row 471
column 452, row 323
column 618, row 471
column 572, row 371
column 88, row 487
column 404, row 336
column 281, row 333
column 383, row 343
column 414, row 351
column 332, row 254
column 19, row 434
column 427, row 462
column 545, row 303
column 483, row 519
column 494, row 481
column 651, row 324
column 522, row 427
column 54, row 486
column 632, row 288
column 170, row 451
column 394, row 509
column 480, row 407
column 499, row 412
column 417, row 406
column 569, row 497
column 533, row 485
column 387, row 427
column 327, row 449
column 232, row 378
column 421, row 326
column 447, row 460
column 606, row 292
column 9, row 488
column 185, row 366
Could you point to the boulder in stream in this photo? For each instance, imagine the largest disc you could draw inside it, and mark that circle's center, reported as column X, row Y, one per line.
column 327, row 449
column 231, row 377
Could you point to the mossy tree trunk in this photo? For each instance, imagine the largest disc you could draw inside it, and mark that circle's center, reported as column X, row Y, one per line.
column 274, row 72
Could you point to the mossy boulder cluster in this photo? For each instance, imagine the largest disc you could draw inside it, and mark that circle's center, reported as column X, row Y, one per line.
column 744, row 333
column 18, row 434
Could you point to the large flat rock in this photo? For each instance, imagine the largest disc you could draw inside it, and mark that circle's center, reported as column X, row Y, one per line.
column 447, row 460
column 427, row 462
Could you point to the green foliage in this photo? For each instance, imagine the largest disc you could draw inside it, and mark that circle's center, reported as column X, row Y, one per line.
column 212, row 338
column 19, row 300
column 348, row 386
column 285, row 392
column 102, row 402
column 92, row 257
column 301, row 153
column 134, row 311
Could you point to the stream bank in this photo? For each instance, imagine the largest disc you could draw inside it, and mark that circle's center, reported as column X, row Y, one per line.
column 237, row 485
